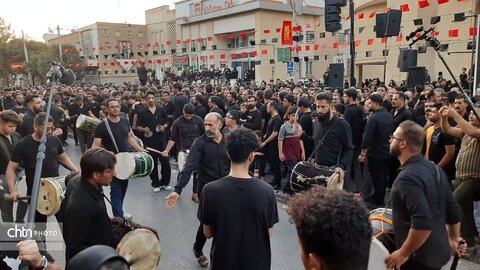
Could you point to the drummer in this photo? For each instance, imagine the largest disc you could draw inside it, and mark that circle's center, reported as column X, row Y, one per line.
column 152, row 122
column 333, row 229
column 84, row 203
column 26, row 152
column 123, row 137
column 79, row 107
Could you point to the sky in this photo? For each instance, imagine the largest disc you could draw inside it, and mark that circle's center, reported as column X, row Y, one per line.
column 34, row 17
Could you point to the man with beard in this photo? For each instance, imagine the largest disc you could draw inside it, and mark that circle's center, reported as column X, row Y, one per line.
column 375, row 147
column 208, row 155
column 232, row 101
column 19, row 108
column 7, row 100
column 254, row 116
column 270, row 144
column 426, row 217
column 332, row 136
column 34, row 105
column 152, row 122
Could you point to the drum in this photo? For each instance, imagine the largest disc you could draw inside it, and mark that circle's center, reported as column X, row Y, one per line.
column 138, row 244
column 86, row 123
column 50, row 195
column 133, row 165
column 378, row 253
column 381, row 220
column 305, row 175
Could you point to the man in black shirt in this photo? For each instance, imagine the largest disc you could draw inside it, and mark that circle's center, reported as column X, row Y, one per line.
column 25, row 152
column 270, row 144
column 239, row 211
column 84, row 204
column 354, row 116
column 123, row 138
column 254, row 117
column 332, row 136
column 232, row 101
column 34, row 106
column 375, row 146
column 209, row 156
column 7, row 101
column 80, row 107
column 426, row 217
column 94, row 105
column 179, row 100
column 19, row 108
column 305, row 120
column 152, row 122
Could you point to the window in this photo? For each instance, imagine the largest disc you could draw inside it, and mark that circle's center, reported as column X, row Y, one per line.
column 238, row 42
column 368, row 54
column 140, row 34
column 129, row 34
column 274, row 40
column 105, row 32
column 118, row 34
column 309, row 36
column 322, row 35
column 309, row 68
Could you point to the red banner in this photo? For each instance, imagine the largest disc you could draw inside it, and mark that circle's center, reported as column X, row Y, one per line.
column 287, row 37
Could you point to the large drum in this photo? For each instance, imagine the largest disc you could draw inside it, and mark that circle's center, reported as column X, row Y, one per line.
column 133, row 165
column 138, row 244
column 305, row 175
column 86, row 123
column 378, row 253
column 50, row 195
column 381, row 220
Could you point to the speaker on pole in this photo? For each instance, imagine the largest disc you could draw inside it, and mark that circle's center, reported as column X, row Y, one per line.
column 416, row 75
column 394, row 19
column 335, row 75
column 380, row 21
column 406, row 59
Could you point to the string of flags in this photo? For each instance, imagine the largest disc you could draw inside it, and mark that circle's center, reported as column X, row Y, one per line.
column 143, row 49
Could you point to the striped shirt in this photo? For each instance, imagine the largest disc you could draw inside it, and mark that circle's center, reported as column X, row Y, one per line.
column 468, row 159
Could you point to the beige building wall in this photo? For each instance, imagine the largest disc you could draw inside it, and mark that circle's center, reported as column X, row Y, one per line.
column 457, row 55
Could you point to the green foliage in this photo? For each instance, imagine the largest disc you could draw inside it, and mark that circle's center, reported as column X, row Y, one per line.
column 40, row 56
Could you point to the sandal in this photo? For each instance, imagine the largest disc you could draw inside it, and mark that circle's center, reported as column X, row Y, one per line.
column 201, row 259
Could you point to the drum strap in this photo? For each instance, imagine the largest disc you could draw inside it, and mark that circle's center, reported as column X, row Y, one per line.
column 118, row 212
column 322, row 140
column 107, row 125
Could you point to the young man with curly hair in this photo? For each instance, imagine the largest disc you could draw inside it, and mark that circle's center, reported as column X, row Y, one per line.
column 332, row 228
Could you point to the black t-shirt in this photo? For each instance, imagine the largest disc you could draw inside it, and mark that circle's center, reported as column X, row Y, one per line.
column 9, row 145
column 254, row 120
column 240, row 212
column 219, row 111
column 437, row 150
column 120, row 132
column 27, row 125
column 95, row 108
column 76, row 110
column 26, row 151
column 22, row 110
column 274, row 125
column 185, row 132
column 201, row 111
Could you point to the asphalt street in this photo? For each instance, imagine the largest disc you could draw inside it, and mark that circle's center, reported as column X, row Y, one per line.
column 177, row 227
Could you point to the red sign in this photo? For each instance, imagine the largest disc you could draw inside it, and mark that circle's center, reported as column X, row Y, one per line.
column 287, row 36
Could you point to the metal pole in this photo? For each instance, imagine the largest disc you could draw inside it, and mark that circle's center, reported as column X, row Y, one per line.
column 59, row 44
column 25, row 51
column 385, row 63
column 477, row 43
column 352, row 43
column 296, row 69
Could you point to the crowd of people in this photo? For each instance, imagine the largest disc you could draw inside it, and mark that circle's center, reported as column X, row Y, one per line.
column 377, row 138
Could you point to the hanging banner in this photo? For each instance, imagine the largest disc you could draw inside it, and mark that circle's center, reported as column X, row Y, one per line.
column 287, row 37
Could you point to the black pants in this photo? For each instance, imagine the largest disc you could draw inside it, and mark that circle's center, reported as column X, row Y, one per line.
column 378, row 170
column 165, row 170
column 271, row 152
column 200, row 238
column 413, row 265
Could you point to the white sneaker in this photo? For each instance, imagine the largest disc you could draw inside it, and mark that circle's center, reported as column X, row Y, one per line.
column 156, row 189
column 167, row 188
column 127, row 215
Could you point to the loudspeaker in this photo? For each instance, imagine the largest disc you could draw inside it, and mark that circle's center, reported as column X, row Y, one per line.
column 416, row 75
column 406, row 59
column 381, row 20
column 394, row 19
column 335, row 76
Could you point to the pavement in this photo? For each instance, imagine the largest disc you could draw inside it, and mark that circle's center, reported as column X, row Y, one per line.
column 177, row 227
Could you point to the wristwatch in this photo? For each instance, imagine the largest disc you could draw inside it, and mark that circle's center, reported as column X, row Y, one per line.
column 43, row 263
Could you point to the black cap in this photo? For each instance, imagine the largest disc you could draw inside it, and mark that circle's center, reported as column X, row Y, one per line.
column 233, row 114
